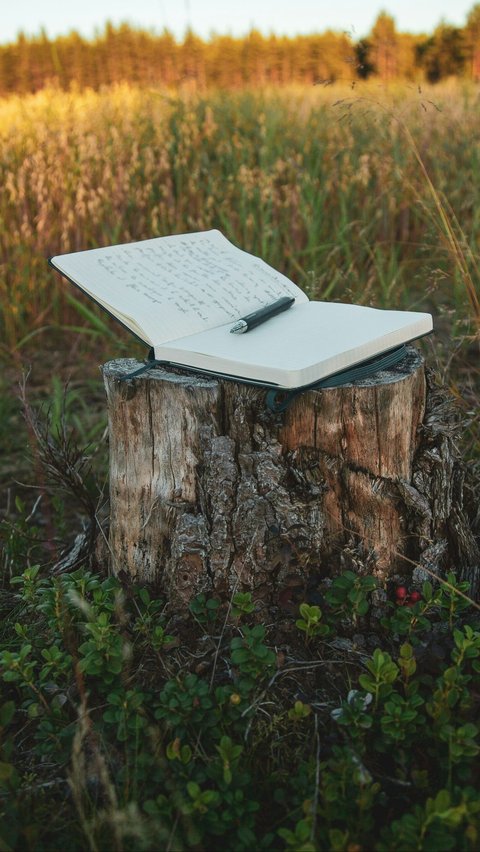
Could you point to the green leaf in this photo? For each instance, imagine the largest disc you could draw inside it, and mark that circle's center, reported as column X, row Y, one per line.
column 427, row 591
column 193, row 789
column 367, row 683
column 7, row 712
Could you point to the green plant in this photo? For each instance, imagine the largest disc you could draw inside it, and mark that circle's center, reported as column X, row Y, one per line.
column 349, row 593
column 401, row 717
column 204, row 609
column 354, row 712
column 202, row 800
column 229, row 754
column 125, row 711
column 251, row 656
column 149, row 621
column 102, row 654
column 433, row 825
column 227, row 759
column 382, row 673
column 56, row 666
column 176, row 751
column 299, row 711
column 28, row 582
column 414, row 619
column 310, row 623
column 19, row 667
column 300, row 839
column 242, row 604
column 451, row 601
column 184, row 702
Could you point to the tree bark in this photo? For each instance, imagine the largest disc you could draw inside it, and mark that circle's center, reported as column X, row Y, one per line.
column 210, row 490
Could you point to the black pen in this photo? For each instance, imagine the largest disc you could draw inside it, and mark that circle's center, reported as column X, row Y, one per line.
column 262, row 315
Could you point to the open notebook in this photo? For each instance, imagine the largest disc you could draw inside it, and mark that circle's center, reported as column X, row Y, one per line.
column 181, row 295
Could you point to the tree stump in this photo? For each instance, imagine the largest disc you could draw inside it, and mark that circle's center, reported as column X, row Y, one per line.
column 210, row 490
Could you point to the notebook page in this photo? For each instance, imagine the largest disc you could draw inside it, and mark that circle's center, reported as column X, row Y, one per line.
column 174, row 286
column 308, row 342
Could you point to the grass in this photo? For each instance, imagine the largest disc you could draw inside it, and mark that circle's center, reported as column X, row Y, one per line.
column 344, row 194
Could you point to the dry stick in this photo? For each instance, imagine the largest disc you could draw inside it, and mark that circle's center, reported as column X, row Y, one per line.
column 219, row 643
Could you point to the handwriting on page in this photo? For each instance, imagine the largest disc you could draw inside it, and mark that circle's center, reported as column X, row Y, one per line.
column 197, row 281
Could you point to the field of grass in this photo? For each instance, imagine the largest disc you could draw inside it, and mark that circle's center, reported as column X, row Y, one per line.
column 358, row 194
column 324, row 184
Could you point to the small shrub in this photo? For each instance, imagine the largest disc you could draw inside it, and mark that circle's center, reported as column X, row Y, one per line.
column 310, row 623
column 258, row 749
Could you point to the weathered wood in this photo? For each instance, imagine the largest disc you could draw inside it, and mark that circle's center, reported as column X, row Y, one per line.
column 210, row 490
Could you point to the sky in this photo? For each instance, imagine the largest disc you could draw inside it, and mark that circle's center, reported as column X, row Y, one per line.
column 237, row 17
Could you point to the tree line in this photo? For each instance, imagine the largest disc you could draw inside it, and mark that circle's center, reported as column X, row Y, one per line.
column 124, row 53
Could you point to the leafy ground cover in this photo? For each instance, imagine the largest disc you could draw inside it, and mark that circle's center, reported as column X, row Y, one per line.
column 126, row 726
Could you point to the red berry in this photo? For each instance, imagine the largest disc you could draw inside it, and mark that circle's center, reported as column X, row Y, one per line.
column 415, row 596
column 401, row 592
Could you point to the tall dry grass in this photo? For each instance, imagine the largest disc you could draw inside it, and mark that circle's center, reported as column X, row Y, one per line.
column 343, row 190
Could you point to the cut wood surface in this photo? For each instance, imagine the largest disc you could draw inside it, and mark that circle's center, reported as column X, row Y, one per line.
column 210, row 490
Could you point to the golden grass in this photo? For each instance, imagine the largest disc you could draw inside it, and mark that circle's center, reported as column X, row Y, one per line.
column 363, row 193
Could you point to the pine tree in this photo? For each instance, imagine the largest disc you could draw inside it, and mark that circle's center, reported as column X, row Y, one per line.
column 472, row 41
column 384, row 41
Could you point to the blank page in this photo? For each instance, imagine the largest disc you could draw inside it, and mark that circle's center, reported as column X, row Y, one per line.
column 306, row 343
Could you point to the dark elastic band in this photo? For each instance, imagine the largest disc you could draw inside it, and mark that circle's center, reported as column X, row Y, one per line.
column 279, row 400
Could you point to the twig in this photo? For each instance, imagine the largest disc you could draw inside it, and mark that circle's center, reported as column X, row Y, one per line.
column 219, row 643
